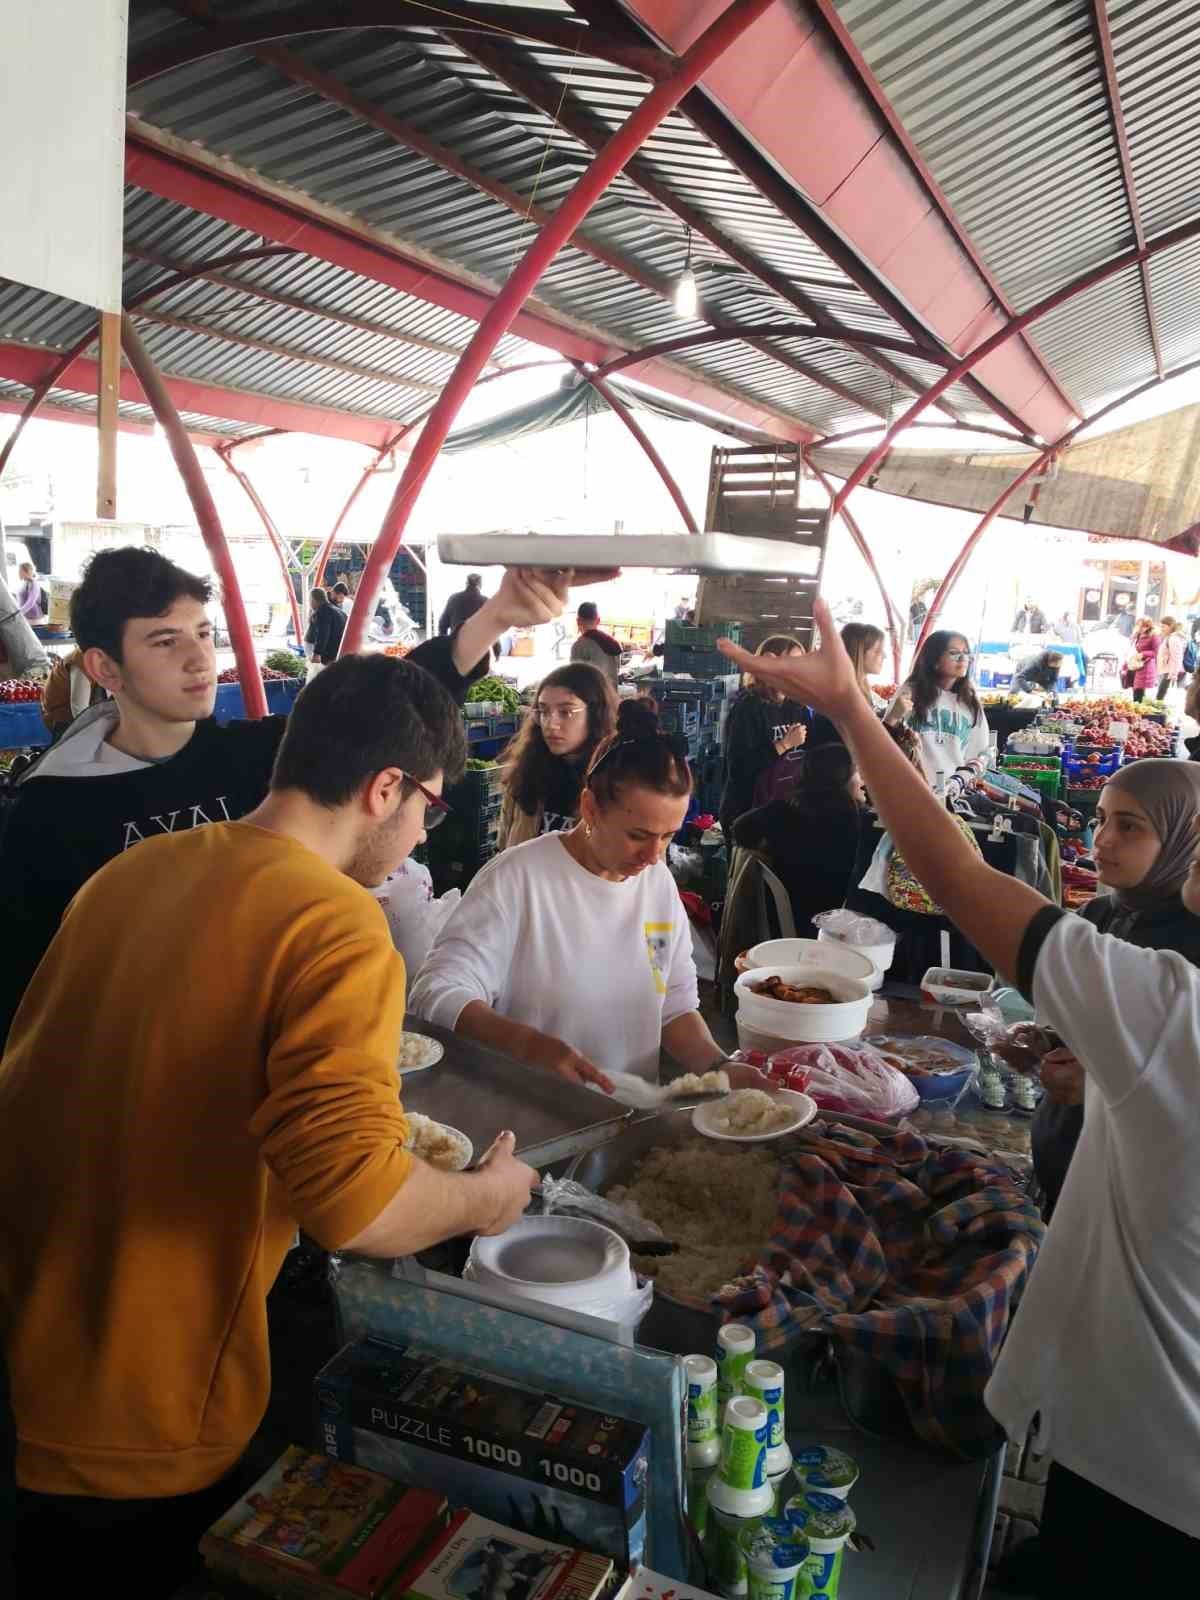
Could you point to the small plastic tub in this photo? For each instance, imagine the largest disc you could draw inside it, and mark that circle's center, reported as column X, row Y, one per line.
column 948, row 986
column 831, row 955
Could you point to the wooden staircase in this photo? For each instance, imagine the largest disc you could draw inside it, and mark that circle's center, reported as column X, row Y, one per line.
column 755, row 491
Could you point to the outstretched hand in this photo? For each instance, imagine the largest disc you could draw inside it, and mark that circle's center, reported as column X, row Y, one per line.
column 823, row 679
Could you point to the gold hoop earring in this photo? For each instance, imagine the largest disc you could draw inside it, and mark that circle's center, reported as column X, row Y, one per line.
column 587, row 830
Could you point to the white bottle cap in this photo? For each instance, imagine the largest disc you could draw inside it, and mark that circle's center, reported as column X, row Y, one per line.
column 736, row 1338
column 701, row 1370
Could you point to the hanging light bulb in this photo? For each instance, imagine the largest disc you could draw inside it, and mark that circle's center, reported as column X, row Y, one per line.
column 687, row 293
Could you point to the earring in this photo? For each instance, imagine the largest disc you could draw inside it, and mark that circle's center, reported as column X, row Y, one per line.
column 587, row 830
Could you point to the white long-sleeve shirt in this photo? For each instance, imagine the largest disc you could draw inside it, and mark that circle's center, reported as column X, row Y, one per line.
column 1105, row 1347
column 603, row 966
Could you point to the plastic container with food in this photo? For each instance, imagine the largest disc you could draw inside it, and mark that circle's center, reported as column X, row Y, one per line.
column 832, row 957
column 775, row 1554
column 822, row 1467
column 948, row 986
column 842, row 1015
column 865, row 935
column 938, row 1069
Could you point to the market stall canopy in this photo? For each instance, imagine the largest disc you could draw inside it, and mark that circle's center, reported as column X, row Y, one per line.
column 865, row 190
column 1139, row 482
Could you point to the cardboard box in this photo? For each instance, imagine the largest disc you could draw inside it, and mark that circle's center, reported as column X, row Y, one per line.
column 532, row 1461
column 314, row 1529
column 479, row 1560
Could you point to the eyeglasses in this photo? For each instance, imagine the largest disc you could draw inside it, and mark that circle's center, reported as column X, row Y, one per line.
column 436, row 809
column 960, row 655
column 676, row 743
column 557, row 713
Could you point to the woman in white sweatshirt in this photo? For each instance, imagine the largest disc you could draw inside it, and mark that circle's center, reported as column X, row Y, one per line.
column 572, row 952
column 939, row 703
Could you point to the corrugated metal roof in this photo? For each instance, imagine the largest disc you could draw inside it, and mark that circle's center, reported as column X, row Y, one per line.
column 1157, row 48
column 129, row 411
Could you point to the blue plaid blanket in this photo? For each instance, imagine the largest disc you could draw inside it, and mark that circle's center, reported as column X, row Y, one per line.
column 914, row 1256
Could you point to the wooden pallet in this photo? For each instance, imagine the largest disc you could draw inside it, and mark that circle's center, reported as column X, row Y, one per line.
column 755, row 492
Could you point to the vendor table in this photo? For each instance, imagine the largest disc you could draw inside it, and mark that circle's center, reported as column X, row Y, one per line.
column 481, row 1093
column 1022, row 650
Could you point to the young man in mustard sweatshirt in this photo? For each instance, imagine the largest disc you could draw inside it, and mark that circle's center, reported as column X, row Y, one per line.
column 205, row 1060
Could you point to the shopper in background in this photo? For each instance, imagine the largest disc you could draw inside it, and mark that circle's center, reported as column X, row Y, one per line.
column 1068, row 630
column 594, row 646
column 462, row 605
column 1039, row 675
column 574, row 953
column 864, row 645
column 810, row 839
column 1145, row 838
column 341, row 597
column 68, row 692
column 939, row 703
column 1141, row 668
column 29, row 594
column 326, row 625
column 1030, row 619
column 147, row 639
column 762, row 729
column 1171, row 647
column 192, row 1075
column 544, row 766
column 1104, row 1350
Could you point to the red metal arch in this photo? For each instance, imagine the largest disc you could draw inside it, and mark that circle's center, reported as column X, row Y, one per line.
column 658, row 104
column 775, row 330
column 253, row 695
column 864, row 549
column 615, row 402
column 225, row 451
column 540, row 27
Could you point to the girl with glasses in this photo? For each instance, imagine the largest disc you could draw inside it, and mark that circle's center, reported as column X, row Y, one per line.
column 576, row 707
column 574, row 953
column 938, row 702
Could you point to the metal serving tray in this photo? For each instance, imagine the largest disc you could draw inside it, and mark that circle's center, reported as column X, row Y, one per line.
column 711, row 554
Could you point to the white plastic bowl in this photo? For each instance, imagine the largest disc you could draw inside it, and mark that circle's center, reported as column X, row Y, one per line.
column 830, row 957
column 845, row 1018
column 880, row 956
column 570, row 1262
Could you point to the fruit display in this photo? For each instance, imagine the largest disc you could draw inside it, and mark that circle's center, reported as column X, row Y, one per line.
column 269, row 674
column 15, row 691
column 1146, row 737
column 397, row 651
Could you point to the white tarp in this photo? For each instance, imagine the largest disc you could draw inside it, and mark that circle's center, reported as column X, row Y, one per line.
column 62, row 86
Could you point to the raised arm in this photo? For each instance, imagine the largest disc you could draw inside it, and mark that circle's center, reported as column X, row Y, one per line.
column 992, row 909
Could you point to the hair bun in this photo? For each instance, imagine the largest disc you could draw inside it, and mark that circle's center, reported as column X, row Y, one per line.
column 637, row 719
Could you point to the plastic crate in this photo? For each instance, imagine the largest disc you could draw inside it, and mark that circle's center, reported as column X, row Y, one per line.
column 1097, row 764
column 690, row 636
column 700, row 663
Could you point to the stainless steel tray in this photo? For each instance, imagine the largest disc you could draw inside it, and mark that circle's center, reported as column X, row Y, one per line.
column 716, row 554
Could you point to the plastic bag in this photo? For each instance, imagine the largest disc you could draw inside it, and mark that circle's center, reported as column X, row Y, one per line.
column 1020, row 1044
column 564, row 1194
column 852, row 1079
column 414, row 917
column 848, row 927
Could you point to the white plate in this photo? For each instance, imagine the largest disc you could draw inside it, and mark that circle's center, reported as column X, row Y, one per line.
column 466, row 1153
column 717, row 553
column 434, row 1051
column 805, row 1110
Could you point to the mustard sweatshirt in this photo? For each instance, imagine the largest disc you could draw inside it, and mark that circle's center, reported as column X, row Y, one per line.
column 204, row 1059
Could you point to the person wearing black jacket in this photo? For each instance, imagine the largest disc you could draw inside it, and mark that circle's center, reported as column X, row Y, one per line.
column 1144, row 841
column 151, row 759
column 810, row 838
column 462, row 605
column 325, row 629
column 763, row 727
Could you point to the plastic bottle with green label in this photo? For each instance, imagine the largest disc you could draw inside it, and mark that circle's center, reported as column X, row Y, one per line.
column 703, row 1427
column 735, row 1348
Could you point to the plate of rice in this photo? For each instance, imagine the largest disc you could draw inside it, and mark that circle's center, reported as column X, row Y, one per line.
column 440, row 1145
column 752, row 1115
column 418, row 1051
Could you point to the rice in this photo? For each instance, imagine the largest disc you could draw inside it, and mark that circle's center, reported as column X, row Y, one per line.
column 750, row 1111
column 718, row 1205
column 433, row 1142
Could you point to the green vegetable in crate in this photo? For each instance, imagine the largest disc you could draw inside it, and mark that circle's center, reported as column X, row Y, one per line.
column 497, row 689
column 475, row 765
column 285, row 661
